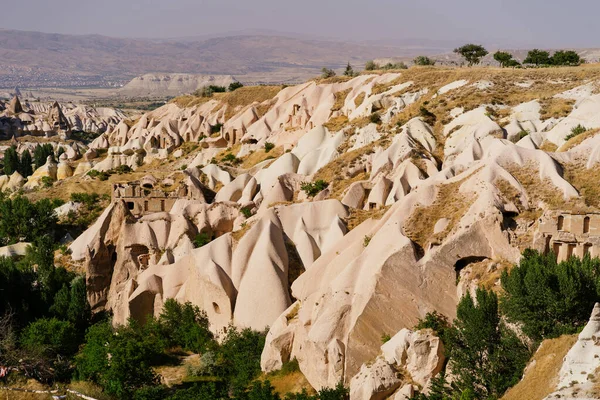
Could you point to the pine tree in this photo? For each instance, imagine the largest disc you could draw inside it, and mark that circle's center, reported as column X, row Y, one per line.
column 349, row 70
column 11, row 161
column 25, row 168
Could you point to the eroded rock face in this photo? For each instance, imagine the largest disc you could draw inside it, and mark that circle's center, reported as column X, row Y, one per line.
column 579, row 372
column 374, row 382
column 421, row 353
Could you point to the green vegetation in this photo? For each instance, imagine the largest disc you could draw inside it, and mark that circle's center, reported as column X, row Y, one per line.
column 233, row 86
column 208, row 91
column 327, row 73
column 548, row 298
column 576, row 131
column 473, row 53
column 202, row 239
column 269, row 146
column 349, row 71
column 13, row 163
column 375, row 118
column 314, row 188
column 41, row 154
column 246, row 212
column 423, row 61
column 505, row 59
column 560, row 58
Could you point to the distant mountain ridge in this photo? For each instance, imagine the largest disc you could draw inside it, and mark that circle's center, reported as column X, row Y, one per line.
column 29, row 59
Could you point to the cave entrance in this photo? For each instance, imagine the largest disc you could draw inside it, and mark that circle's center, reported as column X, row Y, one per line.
column 465, row 262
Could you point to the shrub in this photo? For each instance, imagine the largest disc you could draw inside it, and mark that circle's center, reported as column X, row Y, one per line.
column 375, row 118
column 102, row 176
column 234, row 86
column 202, row 239
column 473, row 53
column 269, row 146
column 436, row 322
column 385, row 338
column 50, row 336
column 314, row 188
column 562, row 57
column 240, row 354
column 371, row 66
column 186, row 326
column 122, row 169
column 47, row 181
column 327, row 73
column 578, row 130
column 423, row 60
column 547, row 298
column 246, row 212
column 216, row 128
column 367, row 240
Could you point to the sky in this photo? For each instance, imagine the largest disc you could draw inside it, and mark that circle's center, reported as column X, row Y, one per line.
column 509, row 23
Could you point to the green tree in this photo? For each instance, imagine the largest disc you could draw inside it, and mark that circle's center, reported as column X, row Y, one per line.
column 485, row 356
column 41, row 154
column 71, row 302
column 504, row 58
column 423, row 60
column 537, row 57
column 327, row 73
column 562, row 57
column 22, row 220
column 233, row 86
column 239, row 356
column 473, row 53
column 548, row 298
column 349, row 71
column 50, row 336
column 186, row 325
column 11, row 161
column 371, row 66
column 25, row 165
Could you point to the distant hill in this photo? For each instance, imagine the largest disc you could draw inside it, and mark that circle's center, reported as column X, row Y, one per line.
column 42, row 59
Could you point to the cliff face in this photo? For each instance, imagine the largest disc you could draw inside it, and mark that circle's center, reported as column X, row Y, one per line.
column 347, row 209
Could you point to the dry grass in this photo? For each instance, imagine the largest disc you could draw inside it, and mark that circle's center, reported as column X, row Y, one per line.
column 340, row 99
column 336, row 124
column 540, row 379
column 357, row 217
column 88, row 389
column 259, row 156
column 577, row 140
column 555, row 107
column 358, row 100
column 548, row 146
column 245, row 96
column 586, row 181
column 171, row 375
column 538, row 190
column 189, row 100
column 239, row 234
column 487, row 278
column 293, row 382
column 449, row 203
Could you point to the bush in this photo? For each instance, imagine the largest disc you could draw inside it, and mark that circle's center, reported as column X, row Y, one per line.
column 578, row 130
column 436, row 322
column 349, row 71
column 423, row 60
column 47, row 181
column 103, row 176
column 122, row 169
column 234, row 86
column 327, row 73
column 240, row 354
column 216, row 128
column 202, row 239
column 186, row 326
column 50, row 337
column 505, row 59
column 269, row 146
column 562, row 57
column 246, row 212
column 375, row 118
column 371, row 66
column 314, row 188
column 547, row 298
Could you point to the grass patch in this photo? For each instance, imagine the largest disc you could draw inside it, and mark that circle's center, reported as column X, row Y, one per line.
column 540, row 379
column 336, row 124
column 340, row 99
column 578, row 139
column 449, row 203
column 358, row 100
column 289, row 379
column 357, row 217
column 585, row 181
column 555, row 107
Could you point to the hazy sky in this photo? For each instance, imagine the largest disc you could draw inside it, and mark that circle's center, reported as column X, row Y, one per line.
column 553, row 23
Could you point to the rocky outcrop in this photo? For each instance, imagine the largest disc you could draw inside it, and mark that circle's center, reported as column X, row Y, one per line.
column 375, row 382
